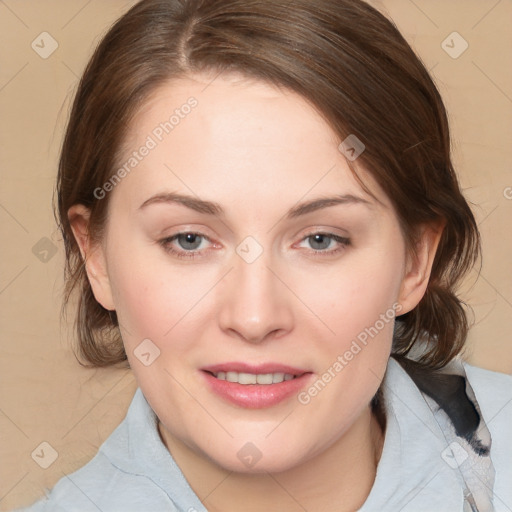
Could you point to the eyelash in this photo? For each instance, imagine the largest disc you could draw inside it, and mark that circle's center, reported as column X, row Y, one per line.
column 166, row 244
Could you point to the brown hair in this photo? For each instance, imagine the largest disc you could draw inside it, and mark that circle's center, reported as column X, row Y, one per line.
column 344, row 57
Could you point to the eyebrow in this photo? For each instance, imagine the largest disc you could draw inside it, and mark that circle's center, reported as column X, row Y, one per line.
column 212, row 208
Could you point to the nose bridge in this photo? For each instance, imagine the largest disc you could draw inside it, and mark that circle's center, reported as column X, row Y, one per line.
column 255, row 303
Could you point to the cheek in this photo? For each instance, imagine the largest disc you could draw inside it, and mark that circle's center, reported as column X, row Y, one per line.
column 352, row 295
column 155, row 298
column 151, row 296
column 358, row 301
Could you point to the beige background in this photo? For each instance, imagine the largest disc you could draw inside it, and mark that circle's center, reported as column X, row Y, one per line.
column 45, row 395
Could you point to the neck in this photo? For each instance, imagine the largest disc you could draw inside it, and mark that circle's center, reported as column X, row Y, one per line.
column 338, row 479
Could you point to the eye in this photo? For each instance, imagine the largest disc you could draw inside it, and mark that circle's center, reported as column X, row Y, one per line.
column 188, row 244
column 326, row 243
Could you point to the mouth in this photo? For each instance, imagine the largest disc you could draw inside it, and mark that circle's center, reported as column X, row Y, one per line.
column 255, row 387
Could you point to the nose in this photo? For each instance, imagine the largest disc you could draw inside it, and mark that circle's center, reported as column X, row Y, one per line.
column 256, row 305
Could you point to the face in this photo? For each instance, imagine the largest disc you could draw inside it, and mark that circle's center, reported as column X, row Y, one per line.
column 223, row 261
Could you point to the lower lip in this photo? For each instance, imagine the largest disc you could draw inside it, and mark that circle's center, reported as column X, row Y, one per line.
column 256, row 396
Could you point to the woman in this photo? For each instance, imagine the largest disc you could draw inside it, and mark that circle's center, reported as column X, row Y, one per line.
column 262, row 219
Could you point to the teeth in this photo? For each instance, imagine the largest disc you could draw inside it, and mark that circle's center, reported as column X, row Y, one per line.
column 277, row 377
column 251, row 378
column 265, row 378
column 246, row 378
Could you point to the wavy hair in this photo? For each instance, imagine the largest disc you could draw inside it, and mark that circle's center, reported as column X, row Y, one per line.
column 348, row 61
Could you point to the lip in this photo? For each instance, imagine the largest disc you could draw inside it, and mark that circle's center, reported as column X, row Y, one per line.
column 255, row 396
column 249, row 368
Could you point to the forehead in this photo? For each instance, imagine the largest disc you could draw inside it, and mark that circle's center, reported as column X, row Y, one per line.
column 231, row 108
column 234, row 138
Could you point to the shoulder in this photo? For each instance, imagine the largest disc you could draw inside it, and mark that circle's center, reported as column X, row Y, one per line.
column 123, row 475
column 493, row 391
column 99, row 485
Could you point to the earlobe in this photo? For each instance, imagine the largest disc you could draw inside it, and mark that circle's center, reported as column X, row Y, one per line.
column 419, row 266
column 93, row 256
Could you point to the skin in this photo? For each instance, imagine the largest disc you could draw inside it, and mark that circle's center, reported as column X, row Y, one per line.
column 257, row 151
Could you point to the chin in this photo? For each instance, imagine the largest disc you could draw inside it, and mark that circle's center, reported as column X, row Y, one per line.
column 249, row 459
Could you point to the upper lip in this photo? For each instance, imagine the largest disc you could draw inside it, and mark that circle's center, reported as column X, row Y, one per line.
column 254, row 369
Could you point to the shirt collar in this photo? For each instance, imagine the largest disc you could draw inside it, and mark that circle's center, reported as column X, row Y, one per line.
column 412, row 474
column 137, row 448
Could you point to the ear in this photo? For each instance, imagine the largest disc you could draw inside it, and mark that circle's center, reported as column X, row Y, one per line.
column 93, row 256
column 419, row 263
